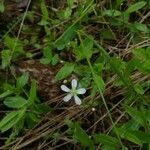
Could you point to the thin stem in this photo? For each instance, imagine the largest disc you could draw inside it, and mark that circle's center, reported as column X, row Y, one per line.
column 100, row 91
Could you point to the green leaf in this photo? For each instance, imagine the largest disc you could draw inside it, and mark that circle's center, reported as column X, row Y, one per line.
column 55, row 59
column 64, row 14
column 135, row 7
column 8, row 87
column 65, row 71
column 106, row 140
column 119, row 2
column 99, row 82
column 2, row 8
column 44, row 10
column 41, row 108
column 45, row 15
column 130, row 125
column 29, row 55
column 141, row 27
column 45, row 61
column 117, row 64
column 85, row 81
column 146, row 66
column 132, row 137
column 128, row 135
column 107, row 34
column 142, row 57
column 47, row 52
column 11, row 119
column 43, row 22
column 81, row 136
column 111, row 13
column 147, row 115
column 67, row 13
column 15, row 49
column 85, row 50
column 139, row 89
column 32, row 95
column 131, row 65
column 6, row 56
column 31, row 119
column 15, row 102
column 137, row 137
column 70, row 3
column 22, row 81
column 142, row 53
column 15, row 130
column 5, row 94
column 143, row 136
column 66, row 37
column 136, row 115
column 14, row 45
column 119, row 67
column 70, row 123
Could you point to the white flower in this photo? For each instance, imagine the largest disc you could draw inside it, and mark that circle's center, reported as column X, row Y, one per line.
column 73, row 92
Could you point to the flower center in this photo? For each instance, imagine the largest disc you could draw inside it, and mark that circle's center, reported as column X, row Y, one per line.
column 73, row 91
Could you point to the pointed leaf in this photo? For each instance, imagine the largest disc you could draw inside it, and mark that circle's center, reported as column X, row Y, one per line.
column 136, row 7
column 22, row 81
column 65, row 71
column 15, row 102
column 66, row 37
column 6, row 56
column 99, row 82
column 81, row 136
column 32, row 95
column 11, row 119
column 85, row 50
column 106, row 140
column 136, row 115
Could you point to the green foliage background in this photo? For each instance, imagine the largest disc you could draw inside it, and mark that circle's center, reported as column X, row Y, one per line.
column 106, row 45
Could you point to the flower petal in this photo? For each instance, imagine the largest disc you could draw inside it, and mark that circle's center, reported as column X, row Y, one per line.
column 74, row 83
column 67, row 97
column 77, row 100
column 64, row 88
column 81, row 91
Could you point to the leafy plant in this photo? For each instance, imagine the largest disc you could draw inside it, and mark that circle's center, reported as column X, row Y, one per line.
column 20, row 107
column 105, row 45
